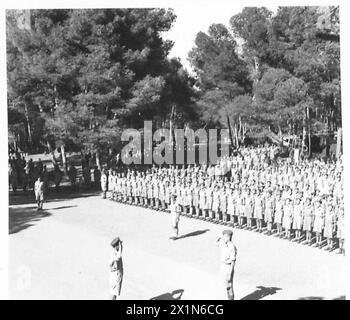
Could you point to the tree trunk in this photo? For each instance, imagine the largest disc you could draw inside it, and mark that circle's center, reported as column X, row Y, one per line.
column 30, row 138
column 64, row 160
column 279, row 131
column 171, row 136
column 230, row 130
column 15, row 143
column 240, row 128
column 53, row 159
column 236, row 135
column 98, row 160
column 309, row 141
column 244, row 130
column 303, row 142
column 110, row 156
column 339, row 143
column 309, row 129
column 171, row 132
column 303, row 139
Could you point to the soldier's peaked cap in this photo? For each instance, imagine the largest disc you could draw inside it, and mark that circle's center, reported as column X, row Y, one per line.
column 115, row 241
column 227, row 231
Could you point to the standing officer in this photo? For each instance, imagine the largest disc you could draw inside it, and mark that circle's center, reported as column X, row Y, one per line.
column 57, row 177
column 72, row 174
column 97, row 177
column 228, row 261
column 116, row 268
column 39, row 193
column 175, row 216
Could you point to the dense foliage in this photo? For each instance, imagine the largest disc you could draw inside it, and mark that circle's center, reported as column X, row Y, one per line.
column 278, row 72
column 77, row 78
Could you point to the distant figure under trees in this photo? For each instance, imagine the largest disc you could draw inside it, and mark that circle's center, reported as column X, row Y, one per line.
column 72, row 174
column 97, row 177
column 57, row 177
column 39, row 189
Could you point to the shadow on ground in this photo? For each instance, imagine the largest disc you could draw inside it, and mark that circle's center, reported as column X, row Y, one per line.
column 23, row 218
column 321, row 298
column 193, row 234
column 261, row 293
column 175, row 295
column 63, row 207
column 65, row 193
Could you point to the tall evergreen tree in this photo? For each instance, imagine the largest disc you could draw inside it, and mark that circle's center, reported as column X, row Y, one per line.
column 89, row 73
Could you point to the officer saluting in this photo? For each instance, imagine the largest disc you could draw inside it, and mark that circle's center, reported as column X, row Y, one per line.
column 228, row 261
column 116, row 268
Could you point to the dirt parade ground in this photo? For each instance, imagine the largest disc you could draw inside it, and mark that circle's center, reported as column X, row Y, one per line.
column 63, row 253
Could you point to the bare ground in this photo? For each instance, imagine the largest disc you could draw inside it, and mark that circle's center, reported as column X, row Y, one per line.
column 63, row 252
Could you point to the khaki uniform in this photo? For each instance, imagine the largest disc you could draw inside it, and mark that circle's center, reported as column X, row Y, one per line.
column 116, row 275
column 228, row 254
column 39, row 190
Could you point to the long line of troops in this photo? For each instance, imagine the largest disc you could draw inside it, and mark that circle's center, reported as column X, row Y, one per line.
column 245, row 191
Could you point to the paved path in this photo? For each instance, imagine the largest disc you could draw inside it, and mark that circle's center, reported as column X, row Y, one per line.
column 63, row 253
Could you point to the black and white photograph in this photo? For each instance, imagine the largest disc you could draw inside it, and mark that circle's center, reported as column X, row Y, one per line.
column 174, row 151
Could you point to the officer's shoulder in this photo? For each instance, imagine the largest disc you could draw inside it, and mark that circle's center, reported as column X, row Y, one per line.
column 232, row 244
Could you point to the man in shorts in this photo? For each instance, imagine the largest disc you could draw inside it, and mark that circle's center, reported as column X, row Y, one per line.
column 116, row 268
column 39, row 193
column 228, row 261
column 175, row 210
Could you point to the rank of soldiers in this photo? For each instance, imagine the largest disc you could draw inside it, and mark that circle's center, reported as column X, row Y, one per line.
column 303, row 201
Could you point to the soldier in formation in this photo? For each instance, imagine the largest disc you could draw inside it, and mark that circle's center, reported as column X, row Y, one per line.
column 302, row 202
